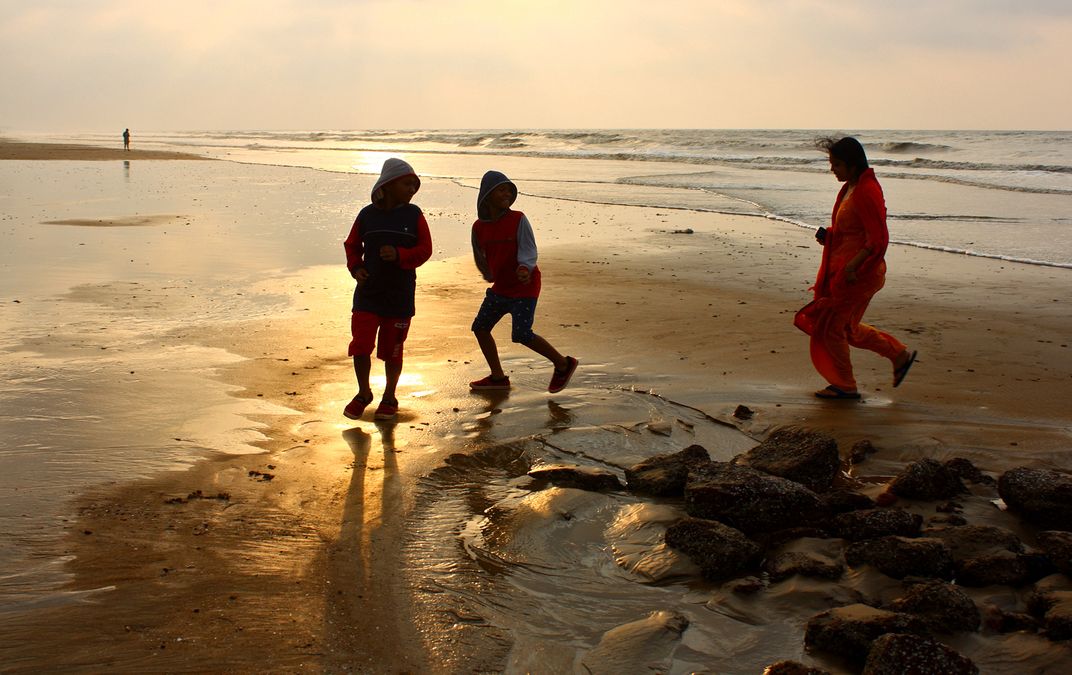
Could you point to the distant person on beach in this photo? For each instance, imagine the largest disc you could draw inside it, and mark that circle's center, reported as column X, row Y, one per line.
column 504, row 248
column 126, row 139
column 853, row 269
column 389, row 240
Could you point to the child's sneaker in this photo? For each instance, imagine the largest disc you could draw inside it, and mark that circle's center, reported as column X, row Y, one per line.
column 356, row 407
column 387, row 410
column 490, row 383
column 561, row 378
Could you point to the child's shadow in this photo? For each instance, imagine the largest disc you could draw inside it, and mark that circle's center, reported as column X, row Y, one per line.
column 373, row 499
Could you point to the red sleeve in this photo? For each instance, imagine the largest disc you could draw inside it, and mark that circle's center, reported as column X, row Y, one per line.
column 354, row 248
column 412, row 257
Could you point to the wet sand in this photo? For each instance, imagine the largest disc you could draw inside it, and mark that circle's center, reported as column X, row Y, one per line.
column 89, row 153
column 295, row 559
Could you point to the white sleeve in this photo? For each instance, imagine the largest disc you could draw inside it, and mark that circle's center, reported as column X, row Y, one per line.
column 526, row 244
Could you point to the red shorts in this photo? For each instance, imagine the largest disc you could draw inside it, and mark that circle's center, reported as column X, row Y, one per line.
column 392, row 330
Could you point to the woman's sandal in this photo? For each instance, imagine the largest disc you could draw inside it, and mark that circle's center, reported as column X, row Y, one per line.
column 833, row 392
column 900, row 372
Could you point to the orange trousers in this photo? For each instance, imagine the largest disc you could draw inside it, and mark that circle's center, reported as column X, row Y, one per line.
column 837, row 327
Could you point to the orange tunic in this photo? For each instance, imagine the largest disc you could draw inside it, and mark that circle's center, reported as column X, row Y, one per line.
column 833, row 319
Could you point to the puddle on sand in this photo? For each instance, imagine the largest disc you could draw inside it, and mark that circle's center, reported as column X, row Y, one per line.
column 513, row 573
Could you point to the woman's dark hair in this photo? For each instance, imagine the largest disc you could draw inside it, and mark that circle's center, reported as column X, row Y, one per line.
column 846, row 149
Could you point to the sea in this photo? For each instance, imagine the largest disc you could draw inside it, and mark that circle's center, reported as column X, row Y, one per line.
column 997, row 194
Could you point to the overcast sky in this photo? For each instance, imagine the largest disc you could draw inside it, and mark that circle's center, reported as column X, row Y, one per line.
column 86, row 65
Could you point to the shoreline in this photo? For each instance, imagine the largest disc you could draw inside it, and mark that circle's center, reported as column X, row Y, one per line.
column 704, row 319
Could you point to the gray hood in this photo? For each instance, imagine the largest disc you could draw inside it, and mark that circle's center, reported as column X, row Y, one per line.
column 490, row 181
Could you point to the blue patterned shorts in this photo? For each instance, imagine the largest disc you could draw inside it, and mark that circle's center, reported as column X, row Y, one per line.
column 522, row 313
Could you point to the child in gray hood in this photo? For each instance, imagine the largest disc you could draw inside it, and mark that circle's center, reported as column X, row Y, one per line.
column 504, row 249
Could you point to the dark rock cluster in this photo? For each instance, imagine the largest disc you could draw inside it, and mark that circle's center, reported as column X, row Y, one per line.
column 745, row 515
column 784, row 508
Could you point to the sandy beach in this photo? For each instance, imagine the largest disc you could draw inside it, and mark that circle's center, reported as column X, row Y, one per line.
column 298, row 555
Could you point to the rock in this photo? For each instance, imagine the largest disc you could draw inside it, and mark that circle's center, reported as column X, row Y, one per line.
column 1054, row 582
column 578, row 477
column 1054, row 609
column 1038, row 565
column 806, row 457
column 792, row 668
column 750, row 501
column 967, row 471
column 900, row 557
column 969, row 541
column 999, row 567
column 744, row 586
column 875, row 523
column 984, row 555
column 850, row 630
column 719, row 550
column 815, row 558
column 637, row 539
column 642, row 646
column 947, row 520
column 886, row 498
column 997, row 620
column 860, row 451
column 1041, row 496
column 943, row 606
column 1058, row 548
column 843, row 501
column 743, row 412
column 665, row 475
column 901, row 654
column 949, row 507
column 660, row 426
column 927, row 479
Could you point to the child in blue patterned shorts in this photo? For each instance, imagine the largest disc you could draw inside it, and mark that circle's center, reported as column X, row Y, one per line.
column 504, row 249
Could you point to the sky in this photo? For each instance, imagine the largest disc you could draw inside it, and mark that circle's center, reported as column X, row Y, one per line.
column 98, row 65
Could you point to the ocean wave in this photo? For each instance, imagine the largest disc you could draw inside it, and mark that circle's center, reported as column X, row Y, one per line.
column 897, row 147
column 923, row 163
column 954, row 180
column 509, row 141
column 951, row 249
column 592, row 137
column 981, row 254
column 953, row 218
column 515, row 145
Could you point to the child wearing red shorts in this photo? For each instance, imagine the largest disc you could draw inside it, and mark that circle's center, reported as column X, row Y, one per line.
column 389, row 240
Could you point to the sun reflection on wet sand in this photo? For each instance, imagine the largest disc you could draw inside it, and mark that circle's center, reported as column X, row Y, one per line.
column 371, row 161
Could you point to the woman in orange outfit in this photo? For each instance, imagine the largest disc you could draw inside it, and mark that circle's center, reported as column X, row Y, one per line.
column 853, row 269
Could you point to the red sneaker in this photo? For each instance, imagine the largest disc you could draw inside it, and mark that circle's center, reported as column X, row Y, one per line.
column 490, row 384
column 561, row 378
column 387, row 410
column 356, row 407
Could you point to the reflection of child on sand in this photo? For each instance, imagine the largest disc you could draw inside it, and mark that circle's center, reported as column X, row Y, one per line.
column 389, row 240
column 504, row 249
